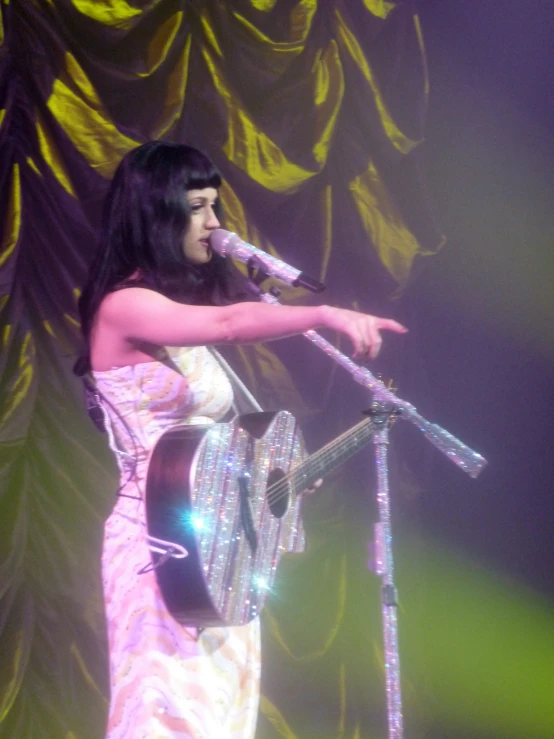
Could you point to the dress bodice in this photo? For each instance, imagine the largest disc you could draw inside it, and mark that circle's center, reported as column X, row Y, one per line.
column 141, row 401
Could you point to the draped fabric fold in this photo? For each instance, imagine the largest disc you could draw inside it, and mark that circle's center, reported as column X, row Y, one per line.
column 315, row 111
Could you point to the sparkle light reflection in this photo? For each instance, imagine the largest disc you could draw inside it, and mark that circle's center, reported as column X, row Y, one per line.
column 198, row 522
column 261, row 583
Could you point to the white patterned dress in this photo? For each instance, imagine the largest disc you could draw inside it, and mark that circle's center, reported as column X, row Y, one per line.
column 167, row 681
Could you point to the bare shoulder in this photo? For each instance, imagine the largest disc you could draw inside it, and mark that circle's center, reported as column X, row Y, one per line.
column 128, row 309
column 120, row 302
column 136, row 315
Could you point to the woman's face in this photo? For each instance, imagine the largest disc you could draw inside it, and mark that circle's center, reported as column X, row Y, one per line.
column 203, row 221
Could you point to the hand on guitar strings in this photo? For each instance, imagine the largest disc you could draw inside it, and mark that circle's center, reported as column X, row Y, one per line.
column 317, row 484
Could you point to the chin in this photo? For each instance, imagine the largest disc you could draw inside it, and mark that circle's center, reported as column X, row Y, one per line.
column 201, row 259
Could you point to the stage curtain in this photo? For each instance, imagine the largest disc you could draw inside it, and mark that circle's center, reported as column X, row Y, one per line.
column 314, row 110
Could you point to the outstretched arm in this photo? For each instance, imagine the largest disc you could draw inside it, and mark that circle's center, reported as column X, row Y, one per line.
column 137, row 315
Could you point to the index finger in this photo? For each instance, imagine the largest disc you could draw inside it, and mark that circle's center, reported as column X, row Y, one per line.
column 390, row 325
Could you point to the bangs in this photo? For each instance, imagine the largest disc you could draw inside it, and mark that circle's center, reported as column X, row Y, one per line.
column 200, row 172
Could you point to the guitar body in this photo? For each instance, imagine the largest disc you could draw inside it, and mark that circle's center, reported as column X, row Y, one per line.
column 206, row 491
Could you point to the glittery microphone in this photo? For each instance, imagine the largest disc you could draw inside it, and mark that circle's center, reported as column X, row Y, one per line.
column 230, row 245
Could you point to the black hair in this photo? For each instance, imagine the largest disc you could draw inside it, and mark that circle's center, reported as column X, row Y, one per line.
column 146, row 215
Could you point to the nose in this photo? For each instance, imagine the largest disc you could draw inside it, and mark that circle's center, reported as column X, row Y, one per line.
column 212, row 220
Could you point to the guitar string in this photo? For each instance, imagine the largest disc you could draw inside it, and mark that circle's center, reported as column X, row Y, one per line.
column 280, row 488
column 334, row 453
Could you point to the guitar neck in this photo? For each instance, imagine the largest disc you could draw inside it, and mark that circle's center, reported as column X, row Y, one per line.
column 332, row 455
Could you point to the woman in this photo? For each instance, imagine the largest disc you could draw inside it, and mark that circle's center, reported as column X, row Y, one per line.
column 155, row 300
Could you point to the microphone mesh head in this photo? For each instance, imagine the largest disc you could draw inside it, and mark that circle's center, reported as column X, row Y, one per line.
column 221, row 240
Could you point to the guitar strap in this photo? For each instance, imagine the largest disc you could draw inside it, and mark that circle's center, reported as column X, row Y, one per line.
column 244, row 401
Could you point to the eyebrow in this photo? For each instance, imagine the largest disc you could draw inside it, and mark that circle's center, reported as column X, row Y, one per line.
column 202, row 199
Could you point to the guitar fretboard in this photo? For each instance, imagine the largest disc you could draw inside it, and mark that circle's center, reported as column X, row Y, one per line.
column 323, row 461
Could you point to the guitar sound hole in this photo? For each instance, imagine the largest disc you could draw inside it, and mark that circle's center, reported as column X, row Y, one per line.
column 278, row 499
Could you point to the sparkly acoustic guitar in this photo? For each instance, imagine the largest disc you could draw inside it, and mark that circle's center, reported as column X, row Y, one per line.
column 229, row 494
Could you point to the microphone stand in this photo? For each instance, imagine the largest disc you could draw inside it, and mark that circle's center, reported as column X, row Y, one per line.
column 385, row 405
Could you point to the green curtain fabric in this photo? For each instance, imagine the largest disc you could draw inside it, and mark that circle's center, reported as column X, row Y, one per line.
column 314, row 112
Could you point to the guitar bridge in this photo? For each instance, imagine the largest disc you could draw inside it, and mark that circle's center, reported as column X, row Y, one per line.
column 246, row 512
